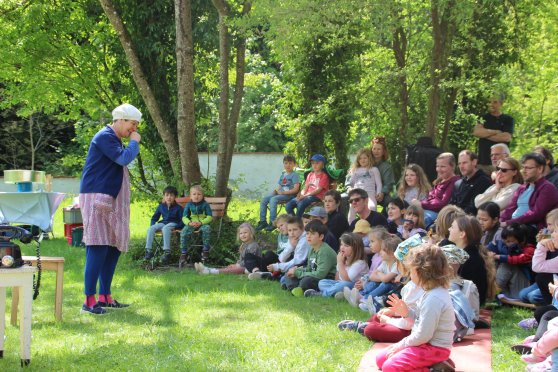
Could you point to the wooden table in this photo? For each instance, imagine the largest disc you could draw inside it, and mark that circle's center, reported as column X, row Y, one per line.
column 48, row 264
column 21, row 278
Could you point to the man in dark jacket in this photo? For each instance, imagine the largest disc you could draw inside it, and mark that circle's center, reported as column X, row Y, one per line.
column 473, row 182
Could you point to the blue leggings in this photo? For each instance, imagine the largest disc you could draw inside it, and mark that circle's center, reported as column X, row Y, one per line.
column 100, row 263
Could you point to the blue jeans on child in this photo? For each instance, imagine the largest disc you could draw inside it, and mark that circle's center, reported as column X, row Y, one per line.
column 330, row 287
column 429, row 217
column 167, row 233
column 376, row 289
column 272, row 200
column 300, row 205
column 531, row 294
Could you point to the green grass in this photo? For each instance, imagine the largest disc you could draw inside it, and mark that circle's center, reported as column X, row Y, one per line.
column 184, row 321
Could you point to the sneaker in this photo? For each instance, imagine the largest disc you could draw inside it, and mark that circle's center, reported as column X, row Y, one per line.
column 182, row 260
column 261, row 225
column 205, row 254
column 363, row 306
column 284, row 287
column 347, row 293
column 528, row 323
column 259, row 275
column 95, row 310
column 339, row 296
column 380, row 300
column 312, row 293
column 354, row 297
column 348, row 325
column 113, row 305
column 204, row 271
column 445, row 366
column 165, row 258
column 270, row 227
column 148, row 255
column 532, row 358
column 370, row 305
column 297, row 292
column 523, row 349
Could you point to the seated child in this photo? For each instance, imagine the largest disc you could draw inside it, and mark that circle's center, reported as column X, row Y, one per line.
column 362, row 229
column 288, row 187
column 544, row 352
column 315, row 187
column 513, row 257
column 197, row 216
column 249, row 250
column 364, row 175
column 270, row 256
column 320, row 263
column 351, row 265
column 413, row 222
column 395, row 211
column 381, row 281
column 488, row 215
column 171, row 214
column 385, row 325
column 320, row 214
column 294, row 254
column 431, row 338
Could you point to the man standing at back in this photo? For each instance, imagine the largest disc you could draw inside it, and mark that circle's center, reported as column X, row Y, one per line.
column 496, row 127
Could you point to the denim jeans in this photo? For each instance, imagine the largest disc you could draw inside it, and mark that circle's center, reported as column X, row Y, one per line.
column 531, row 294
column 376, row 289
column 272, row 200
column 300, row 205
column 554, row 360
column 330, row 287
column 429, row 217
column 167, row 233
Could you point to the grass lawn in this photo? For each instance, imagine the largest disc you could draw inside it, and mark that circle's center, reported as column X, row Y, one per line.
column 184, row 321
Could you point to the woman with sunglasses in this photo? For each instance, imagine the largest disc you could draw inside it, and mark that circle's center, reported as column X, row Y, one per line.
column 508, row 179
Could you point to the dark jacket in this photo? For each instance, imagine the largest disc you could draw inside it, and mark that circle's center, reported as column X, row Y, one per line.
column 552, row 177
column 169, row 214
column 543, row 200
column 466, row 189
column 474, row 270
column 337, row 224
column 374, row 219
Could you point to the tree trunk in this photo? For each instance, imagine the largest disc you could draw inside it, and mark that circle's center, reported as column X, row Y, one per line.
column 448, row 116
column 228, row 117
column 169, row 140
column 400, row 54
column 186, row 121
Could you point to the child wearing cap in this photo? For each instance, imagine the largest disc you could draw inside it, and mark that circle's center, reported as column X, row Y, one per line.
column 362, row 229
column 316, row 185
column 288, row 187
column 320, row 214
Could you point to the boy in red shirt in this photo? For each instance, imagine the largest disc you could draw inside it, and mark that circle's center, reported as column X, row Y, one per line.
column 316, row 185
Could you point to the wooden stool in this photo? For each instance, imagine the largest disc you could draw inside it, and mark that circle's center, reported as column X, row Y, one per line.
column 22, row 279
column 48, row 264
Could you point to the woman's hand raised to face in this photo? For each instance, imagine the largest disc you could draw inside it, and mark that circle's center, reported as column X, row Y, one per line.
column 135, row 136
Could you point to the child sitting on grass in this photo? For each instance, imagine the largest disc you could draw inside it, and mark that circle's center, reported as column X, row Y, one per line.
column 171, row 214
column 513, row 257
column 288, row 187
column 293, row 255
column 249, row 250
column 351, row 265
column 381, row 281
column 431, row 338
column 315, row 187
column 320, row 263
column 413, row 222
column 197, row 216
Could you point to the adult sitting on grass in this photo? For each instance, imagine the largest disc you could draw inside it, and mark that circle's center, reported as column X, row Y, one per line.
column 171, row 212
column 534, row 199
column 105, row 205
column 336, row 222
column 320, row 263
column 358, row 198
column 287, row 188
column 250, row 254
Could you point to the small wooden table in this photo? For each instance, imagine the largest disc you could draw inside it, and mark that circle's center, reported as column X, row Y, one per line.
column 22, row 279
column 47, row 264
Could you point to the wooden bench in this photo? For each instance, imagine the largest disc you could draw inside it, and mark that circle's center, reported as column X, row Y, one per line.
column 48, row 264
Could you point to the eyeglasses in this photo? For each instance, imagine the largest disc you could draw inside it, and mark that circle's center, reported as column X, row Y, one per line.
column 503, row 170
column 354, row 200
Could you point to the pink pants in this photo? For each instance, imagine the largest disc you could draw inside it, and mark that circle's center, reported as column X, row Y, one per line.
column 413, row 358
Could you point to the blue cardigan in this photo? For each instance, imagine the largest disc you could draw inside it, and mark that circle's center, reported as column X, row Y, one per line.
column 103, row 170
column 169, row 214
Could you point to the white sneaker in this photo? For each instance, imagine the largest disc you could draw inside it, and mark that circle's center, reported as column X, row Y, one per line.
column 363, row 306
column 200, row 267
column 339, row 296
column 347, row 293
column 255, row 276
column 354, row 297
column 370, row 305
column 196, row 266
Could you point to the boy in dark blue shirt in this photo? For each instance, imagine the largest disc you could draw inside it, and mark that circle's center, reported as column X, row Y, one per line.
column 171, row 214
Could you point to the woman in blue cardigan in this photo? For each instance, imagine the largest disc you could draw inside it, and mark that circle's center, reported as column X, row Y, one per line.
column 105, row 205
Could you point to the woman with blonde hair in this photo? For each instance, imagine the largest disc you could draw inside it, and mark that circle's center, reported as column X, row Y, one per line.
column 364, row 175
column 508, row 178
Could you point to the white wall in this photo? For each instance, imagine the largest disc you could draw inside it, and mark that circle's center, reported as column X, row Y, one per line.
column 251, row 174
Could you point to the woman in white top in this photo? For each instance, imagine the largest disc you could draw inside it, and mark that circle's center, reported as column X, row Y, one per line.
column 351, row 266
column 364, row 175
column 508, row 179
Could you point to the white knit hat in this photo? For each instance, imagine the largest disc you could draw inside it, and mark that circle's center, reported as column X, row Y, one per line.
column 126, row 112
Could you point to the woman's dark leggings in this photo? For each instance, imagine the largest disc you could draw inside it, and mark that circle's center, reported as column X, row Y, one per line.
column 542, row 280
column 543, row 323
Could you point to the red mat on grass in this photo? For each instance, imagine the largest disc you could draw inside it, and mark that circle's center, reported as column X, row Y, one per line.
column 473, row 354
